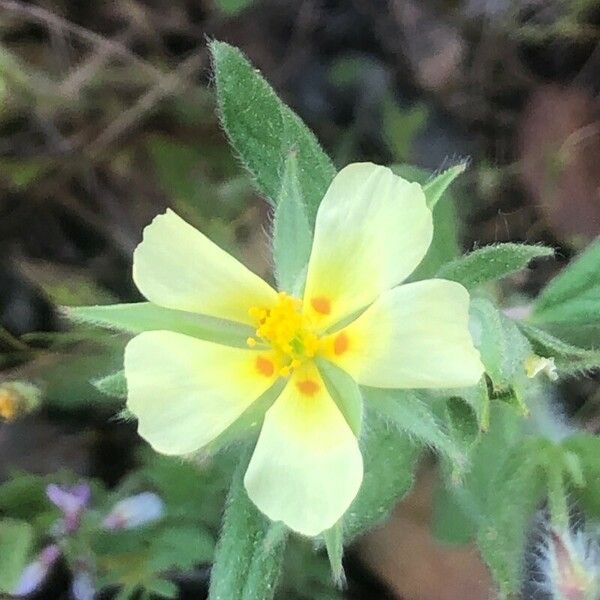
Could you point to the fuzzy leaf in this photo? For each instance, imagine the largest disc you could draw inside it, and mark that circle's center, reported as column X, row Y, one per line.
column 568, row 358
column 292, row 238
column 569, row 306
column 265, row 569
column 390, row 458
column 241, row 545
column 491, row 263
column 502, row 346
column 586, row 448
column 412, row 415
column 263, row 130
column 145, row 316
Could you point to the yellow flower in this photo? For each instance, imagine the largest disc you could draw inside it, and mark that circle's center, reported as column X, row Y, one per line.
column 372, row 229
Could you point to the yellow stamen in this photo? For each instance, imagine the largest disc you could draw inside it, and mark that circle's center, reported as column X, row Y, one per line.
column 287, row 330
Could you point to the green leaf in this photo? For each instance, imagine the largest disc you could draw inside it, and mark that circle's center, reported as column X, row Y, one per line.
column 436, row 187
column 460, row 506
column 180, row 547
column 518, row 488
column 444, row 246
column 390, row 459
column 145, row 316
column 586, row 448
column 292, row 238
column 263, row 130
column 409, row 413
column 233, row 7
column 267, row 562
column 16, row 538
column 491, row 263
column 569, row 359
column 334, row 542
column 113, row 385
column 462, row 422
column 502, row 347
column 569, row 306
column 345, row 393
column 241, row 542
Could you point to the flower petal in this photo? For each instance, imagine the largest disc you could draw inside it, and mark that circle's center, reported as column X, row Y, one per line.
column 372, row 230
column 414, row 336
column 186, row 391
column 307, row 467
column 176, row 266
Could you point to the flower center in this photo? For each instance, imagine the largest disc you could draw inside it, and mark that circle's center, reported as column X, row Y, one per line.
column 287, row 331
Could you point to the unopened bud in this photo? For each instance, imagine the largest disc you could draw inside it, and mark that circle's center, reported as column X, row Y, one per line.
column 135, row 511
column 535, row 364
column 35, row 572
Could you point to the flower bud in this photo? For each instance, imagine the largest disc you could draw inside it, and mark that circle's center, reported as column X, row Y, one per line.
column 134, row 511
column 35, row 572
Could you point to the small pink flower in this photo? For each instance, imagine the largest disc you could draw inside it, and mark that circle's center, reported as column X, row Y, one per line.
column 72, row 501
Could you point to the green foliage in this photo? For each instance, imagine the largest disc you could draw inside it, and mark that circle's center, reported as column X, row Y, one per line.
column 390, row 458
column 245, row 553
column 233, row 7
column 569, row 306
column 145, row 316
column 263, row 130
column 569, row 359
column 292, row 236
column 16, row 538
column 502, row 346
column 491, row 263
column 412, row 415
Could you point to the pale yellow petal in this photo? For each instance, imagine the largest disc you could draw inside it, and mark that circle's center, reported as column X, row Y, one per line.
column 307, row 466
column 414, row 336
column 185, row 391
column 178, row 267
column 372, row 230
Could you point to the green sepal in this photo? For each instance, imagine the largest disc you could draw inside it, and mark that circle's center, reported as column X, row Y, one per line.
column 145, row 316
column 263, row 130
column 434, row 189
column 334, row 543
column 345, row 392
column 113, row 385
column 292, row 236
column 491, row 263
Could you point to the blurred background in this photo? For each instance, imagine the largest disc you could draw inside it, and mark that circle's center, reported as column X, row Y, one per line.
column 107, row 116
